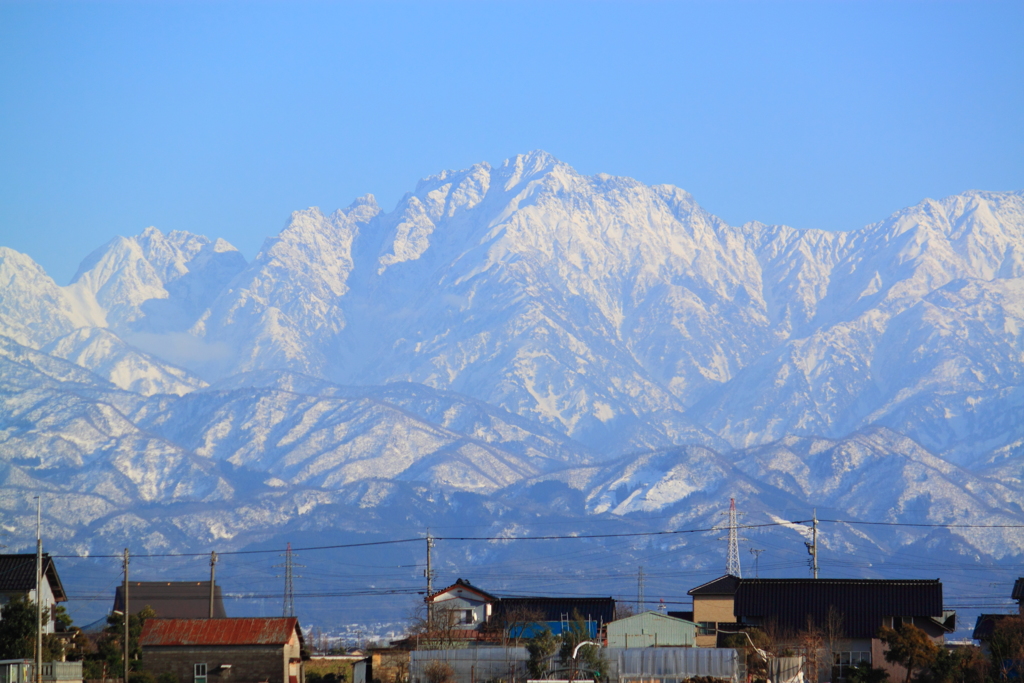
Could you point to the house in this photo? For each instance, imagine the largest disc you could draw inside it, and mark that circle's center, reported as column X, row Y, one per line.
column 171, row 599
column 713, row 605
column 464, row 606
column 471, row 613
column 651, row 629
column 987, row 623
column 525, row 616
column 213, row 650
column 849, row 612
column 18, row 578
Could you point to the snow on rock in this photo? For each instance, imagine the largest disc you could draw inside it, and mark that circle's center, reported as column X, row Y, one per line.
column 106, row 355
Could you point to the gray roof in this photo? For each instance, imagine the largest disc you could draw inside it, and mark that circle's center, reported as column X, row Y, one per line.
column 172, row 599
column 18, row 574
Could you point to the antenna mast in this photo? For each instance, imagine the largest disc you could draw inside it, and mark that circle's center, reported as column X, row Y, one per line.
column 756, row 552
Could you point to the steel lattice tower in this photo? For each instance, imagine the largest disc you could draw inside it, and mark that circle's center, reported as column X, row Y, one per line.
column 732, row 565
column 288, row 608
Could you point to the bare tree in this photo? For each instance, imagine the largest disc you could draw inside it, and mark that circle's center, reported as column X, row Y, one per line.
column 811, row 641
column 833, row 637
column 518, row 623
column 436, row 628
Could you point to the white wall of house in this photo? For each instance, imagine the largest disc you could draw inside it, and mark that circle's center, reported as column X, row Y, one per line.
column 48, row 601
column 470, row 609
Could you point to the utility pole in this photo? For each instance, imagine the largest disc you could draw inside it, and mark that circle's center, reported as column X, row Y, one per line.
column 640, row 598
column 39, row 591
column 213, row 570
column 756, row 552
column 812, row 547
column 126, row 618
column 429, row 574
column 288, row 609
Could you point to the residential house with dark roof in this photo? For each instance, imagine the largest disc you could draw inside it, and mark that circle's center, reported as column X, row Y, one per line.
column 171, row 599
column 987, row 623
column 851, row 610
column 713, row 605
column 220, row 650
column 18, row 578
column 476, row 614
column 528, row 615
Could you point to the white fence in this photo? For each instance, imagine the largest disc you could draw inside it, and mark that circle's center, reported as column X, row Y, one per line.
column 675, row 664
column 21, row 671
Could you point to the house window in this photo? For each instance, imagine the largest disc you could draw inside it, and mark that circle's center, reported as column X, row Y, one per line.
column 200, row 673
column 907, row 620
column 844, row 661
column 469, row 617
column 707, row 628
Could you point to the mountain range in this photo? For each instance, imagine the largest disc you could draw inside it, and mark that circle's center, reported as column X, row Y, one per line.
column 551, row 345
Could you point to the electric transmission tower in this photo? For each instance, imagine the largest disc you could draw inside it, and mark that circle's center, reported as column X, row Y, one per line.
column 732, row 563
column 288, row 608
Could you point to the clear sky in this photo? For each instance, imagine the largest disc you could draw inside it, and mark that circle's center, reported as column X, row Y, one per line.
column 223, row 117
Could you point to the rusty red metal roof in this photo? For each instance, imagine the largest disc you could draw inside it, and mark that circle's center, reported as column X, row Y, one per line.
column 243, row 631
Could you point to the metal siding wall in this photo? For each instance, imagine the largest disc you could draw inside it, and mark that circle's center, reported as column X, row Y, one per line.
column 673, row 664
column 641, row 630
column 476, row 663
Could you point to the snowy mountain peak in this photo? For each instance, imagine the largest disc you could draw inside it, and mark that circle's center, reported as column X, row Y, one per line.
column 129, row 276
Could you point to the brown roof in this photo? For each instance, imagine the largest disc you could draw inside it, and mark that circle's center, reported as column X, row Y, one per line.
column 244, row 631
column 172, row 599
column 18, row 573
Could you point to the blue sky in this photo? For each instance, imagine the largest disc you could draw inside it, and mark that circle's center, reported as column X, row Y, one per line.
column 223, row 117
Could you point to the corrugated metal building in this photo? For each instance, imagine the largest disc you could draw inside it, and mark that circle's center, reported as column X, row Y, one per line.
column 651, row 629
column 211, row 650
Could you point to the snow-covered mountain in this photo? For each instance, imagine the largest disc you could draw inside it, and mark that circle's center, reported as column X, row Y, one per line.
column 537, row 340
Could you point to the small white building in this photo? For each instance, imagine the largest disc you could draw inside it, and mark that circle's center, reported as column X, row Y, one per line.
column 651, row 629
column 18, row 578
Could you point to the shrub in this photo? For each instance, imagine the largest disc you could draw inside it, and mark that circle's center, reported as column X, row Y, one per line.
column 437, row 671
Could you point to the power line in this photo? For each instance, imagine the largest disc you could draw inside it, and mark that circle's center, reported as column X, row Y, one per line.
column 913, row 524
column 564, row 537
